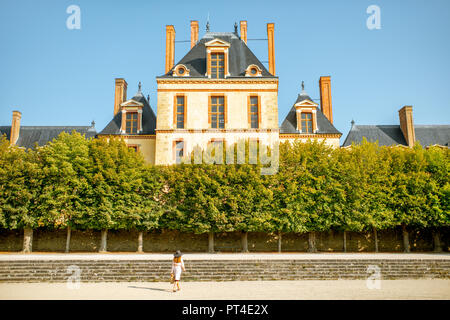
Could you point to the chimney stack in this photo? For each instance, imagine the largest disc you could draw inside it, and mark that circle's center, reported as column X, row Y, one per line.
column 170, row 47
column 194, row 33
column 271, row 41
column 120, row 94
column 325, row 97
column 244, row 31
column 15, row 127
column 407, row 125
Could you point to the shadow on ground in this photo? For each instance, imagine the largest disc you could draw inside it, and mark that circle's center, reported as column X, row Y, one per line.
column 155, row 289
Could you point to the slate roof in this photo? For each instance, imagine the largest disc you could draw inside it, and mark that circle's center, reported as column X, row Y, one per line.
column 29, row 135
column 239, row 57
column 324, row 125
column 388, row 135
column 148, row 119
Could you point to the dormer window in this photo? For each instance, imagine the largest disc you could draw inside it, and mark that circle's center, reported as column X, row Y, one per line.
column 306, row 122
column 253, row 71
column 181, row 71
column 131, row 122
column 217, row 65
column 217, row 59
column 131, row 117
column 306, row 111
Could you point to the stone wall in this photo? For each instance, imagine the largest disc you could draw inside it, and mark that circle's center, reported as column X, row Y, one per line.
column 168, row 241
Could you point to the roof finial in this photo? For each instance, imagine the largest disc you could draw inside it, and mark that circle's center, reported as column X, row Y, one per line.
column 352, row 122
column 93, row 124
column 303, row 85
column 207, row 23
column 148, row 98
column 235, row 28
column 139, row 87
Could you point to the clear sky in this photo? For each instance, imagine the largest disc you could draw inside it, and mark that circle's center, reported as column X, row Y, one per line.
column 57, row 76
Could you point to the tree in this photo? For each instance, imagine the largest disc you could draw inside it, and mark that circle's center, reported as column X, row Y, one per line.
column 20, row 183
column 65, row 181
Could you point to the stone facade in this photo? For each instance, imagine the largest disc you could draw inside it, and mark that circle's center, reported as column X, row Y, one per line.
column 197, row 130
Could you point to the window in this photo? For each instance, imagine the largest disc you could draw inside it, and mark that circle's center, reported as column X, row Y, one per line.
column 179, row 151
column 306, row 121
column 180, row 112
column 134, row 147
column 216, row 147
column 217, row 112
column 131, row 122
column 217, row 65
column 253, row 112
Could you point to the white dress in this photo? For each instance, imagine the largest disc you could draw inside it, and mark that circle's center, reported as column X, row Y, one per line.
column 176, row 269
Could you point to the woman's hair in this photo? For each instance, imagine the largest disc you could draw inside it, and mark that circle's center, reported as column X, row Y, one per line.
column 177, row 259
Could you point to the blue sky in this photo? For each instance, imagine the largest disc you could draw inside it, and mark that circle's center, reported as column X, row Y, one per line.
column 57, row 76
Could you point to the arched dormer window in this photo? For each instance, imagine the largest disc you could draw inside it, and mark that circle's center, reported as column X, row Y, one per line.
column 181, row 71
column 253, row 71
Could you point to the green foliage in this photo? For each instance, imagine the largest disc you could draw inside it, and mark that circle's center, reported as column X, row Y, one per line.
column 20, row 184
column 102, row 184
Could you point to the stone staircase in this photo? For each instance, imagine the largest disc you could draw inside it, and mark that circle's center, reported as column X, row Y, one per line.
column 221, row 270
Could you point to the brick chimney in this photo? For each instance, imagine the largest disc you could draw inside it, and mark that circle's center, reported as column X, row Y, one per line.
column 407, row 125
column 15, row 127
column 271, row 42
column 120, row 94
column 325, row 97
column 170, row 47
column 244, row 31
column 194, row 33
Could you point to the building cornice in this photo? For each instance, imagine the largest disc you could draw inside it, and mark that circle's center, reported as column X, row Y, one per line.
column 309, row 136
column 216, row 130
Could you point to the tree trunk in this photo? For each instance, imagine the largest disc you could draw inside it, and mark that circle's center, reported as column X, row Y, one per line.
column 211, row 242
column 103, row 244
column 375, row 238
column 406, row 247
column 279, row 241
column 244, row 242
column 140, row 242
column 27, row 240
column 437, row 241
column 345, row 241
column 312, row 242
column 69, row 233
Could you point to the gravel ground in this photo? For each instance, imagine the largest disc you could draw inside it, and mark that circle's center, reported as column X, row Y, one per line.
column 232, row 290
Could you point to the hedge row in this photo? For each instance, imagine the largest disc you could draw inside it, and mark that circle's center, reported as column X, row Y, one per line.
column 100, row 184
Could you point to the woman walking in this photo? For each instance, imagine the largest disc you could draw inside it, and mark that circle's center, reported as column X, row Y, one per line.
column 177, row 267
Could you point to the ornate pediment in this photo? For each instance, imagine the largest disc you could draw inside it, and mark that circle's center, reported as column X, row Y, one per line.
column 217, row 43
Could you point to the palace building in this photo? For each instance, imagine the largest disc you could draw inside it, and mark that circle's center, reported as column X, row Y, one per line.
column 218, row 93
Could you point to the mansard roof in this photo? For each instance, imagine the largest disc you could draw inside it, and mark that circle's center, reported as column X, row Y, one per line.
column 239, row 57
column 388, row 135
column 148, row 119
column 29, row 135
column 324, row 125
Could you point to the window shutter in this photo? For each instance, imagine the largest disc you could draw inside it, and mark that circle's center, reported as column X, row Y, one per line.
column 175, row 111
column 209, row 109
column 225, row 109
column 249, row 118
column 185, row 111
column 259, row 110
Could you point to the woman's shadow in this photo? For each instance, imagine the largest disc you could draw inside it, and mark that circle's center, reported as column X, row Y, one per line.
column 155, row 289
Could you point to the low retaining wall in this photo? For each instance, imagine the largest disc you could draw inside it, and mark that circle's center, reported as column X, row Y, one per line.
column 169, row 241
column 222, row 270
